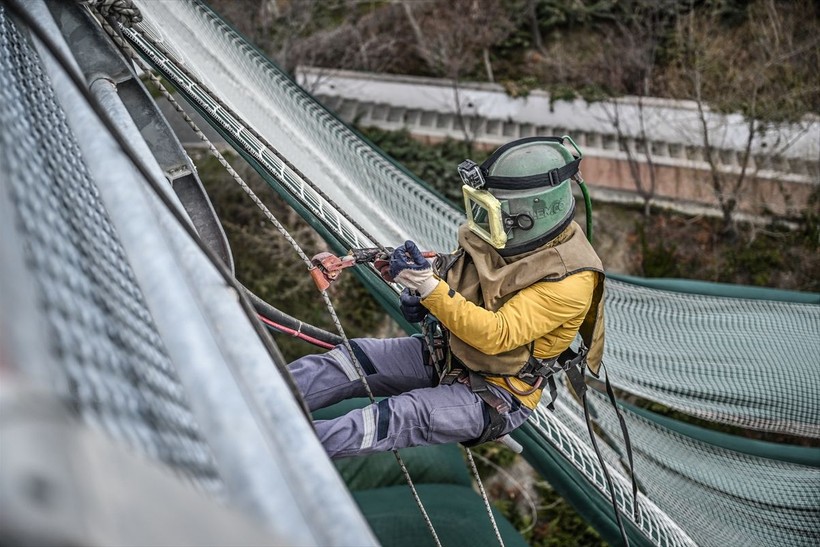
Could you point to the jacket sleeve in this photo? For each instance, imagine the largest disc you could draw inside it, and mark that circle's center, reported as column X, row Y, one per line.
column 532, row 313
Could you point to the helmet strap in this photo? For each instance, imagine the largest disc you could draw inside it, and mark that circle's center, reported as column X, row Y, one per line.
column 553, row 178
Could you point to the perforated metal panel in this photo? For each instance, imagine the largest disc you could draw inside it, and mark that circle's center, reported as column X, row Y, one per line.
column 113, row 370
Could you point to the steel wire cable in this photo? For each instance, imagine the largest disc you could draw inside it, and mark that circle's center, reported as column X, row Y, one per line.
column 80, row 85
column 283, row 231
column 250, row 130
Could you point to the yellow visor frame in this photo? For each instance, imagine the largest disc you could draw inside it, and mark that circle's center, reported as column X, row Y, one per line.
column 484, row 216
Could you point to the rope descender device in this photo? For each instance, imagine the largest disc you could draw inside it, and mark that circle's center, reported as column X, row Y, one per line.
column 327, row 267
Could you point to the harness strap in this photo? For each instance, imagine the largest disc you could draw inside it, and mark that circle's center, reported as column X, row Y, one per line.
column 627, row 442
column 605, row 471
column 436, row 342
column 479, row 386
column 496, row 408
column 553, row 392
column 574, row 364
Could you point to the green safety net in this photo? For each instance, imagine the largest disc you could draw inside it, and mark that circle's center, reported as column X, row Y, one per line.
column 737, row 360
column 704, row 350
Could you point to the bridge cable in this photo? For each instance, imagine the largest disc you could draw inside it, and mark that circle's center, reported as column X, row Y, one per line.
column 81, row 86
column 132, row 54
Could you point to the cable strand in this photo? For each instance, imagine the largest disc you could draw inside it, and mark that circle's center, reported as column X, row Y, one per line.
column 120, row 42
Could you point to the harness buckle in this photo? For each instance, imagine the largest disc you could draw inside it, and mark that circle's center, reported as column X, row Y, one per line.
column 451, row 376
column 538, row 368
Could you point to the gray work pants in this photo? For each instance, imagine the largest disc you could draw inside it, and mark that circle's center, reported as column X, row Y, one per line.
column 414, row 413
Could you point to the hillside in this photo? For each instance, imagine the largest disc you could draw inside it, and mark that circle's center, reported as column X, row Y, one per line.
column 758, row 57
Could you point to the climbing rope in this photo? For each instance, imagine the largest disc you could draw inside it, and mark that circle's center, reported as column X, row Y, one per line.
column 126, row 48
column 121, row 11
column 518, row 486
column 484, row 496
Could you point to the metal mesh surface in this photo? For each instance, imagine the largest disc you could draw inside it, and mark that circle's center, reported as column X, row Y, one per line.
column 113, row 370
column 723, row 497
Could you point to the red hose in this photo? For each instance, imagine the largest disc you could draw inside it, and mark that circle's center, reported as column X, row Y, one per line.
column 286, row 330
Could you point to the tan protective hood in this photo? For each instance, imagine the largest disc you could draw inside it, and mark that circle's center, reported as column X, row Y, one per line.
column 487, row 279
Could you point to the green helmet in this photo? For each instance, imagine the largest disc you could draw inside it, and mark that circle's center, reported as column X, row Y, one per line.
column 521, row 197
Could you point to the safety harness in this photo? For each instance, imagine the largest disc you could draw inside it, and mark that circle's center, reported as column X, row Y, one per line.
column 450, row 369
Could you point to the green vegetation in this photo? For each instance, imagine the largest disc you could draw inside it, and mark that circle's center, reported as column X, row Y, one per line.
column 556, row 524
column 758, row 57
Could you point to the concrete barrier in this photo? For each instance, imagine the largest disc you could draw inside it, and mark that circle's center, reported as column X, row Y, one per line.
column 620, row 138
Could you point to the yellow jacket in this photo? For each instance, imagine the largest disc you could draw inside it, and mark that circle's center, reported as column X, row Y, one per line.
column 548, row 312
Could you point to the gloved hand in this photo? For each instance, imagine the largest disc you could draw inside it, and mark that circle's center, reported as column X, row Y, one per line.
column 409, row 267
column 411, row 307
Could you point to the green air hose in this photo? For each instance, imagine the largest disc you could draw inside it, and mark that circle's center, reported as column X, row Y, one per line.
column 587, row 206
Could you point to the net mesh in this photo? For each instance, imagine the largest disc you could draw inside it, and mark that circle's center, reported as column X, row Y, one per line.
column 112, row 369
column 712, row 357
column 723, row 497
column 565, row 429
column 742, row 362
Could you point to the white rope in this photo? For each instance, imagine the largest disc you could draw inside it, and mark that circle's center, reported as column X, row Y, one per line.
column 520, row 487
column 122, row 11
column 484, row 496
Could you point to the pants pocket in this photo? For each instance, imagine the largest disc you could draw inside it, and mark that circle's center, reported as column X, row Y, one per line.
column 456, row 423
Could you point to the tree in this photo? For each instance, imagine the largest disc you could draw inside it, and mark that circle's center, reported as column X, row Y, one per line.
column 452, row 36
column 772, row 79
column 639, row 31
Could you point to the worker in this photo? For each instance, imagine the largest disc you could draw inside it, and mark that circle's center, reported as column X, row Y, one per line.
column 505, row 308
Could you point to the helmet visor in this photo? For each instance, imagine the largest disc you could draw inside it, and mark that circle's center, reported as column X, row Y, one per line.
column 484, row 216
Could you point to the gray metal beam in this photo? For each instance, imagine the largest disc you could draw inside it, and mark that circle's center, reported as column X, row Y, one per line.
column 63, row 484
column 273, row 466
column 98, row 58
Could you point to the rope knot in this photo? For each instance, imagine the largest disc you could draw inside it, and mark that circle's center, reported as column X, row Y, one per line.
column 121, row 11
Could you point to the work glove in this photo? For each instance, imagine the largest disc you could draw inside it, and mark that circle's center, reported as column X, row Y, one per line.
column 411, row 307
column 409, row 267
